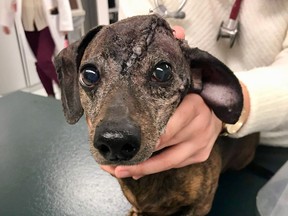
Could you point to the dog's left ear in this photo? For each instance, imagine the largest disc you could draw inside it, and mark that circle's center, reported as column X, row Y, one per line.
column 216, row 84
column 67, row 65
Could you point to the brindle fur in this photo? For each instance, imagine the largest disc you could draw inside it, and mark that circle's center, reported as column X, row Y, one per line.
column 125, row 54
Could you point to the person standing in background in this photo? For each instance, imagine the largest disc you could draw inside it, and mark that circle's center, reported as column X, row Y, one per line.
column 45, row 23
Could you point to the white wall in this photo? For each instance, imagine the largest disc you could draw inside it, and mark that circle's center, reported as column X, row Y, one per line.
column 11, row 70
column 16, row 70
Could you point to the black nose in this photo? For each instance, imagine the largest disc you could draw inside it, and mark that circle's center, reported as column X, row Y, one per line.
column 117, row 142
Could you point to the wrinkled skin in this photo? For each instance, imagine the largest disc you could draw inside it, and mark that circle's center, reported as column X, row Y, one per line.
column 126, row 95
column 127, row 65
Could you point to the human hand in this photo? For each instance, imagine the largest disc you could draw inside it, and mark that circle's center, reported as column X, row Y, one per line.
column 188, row 138
column 6, row 30
column 178, row 32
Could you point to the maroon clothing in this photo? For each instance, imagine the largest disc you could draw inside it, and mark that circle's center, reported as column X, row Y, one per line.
column 43, row 46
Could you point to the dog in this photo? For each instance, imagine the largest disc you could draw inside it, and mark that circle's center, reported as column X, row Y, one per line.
column 128, row 78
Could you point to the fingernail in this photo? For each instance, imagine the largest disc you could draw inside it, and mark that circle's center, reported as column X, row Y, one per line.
column 136, row 177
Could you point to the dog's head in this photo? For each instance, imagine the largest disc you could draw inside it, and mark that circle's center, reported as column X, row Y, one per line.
column 129, row 77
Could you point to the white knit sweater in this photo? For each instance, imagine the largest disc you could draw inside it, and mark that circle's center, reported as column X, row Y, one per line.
column 259, row 57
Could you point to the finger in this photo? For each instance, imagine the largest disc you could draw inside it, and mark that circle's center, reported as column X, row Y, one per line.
column 179, row 32
column 185, row 134
column 205, row 142
column 137, row 177
column 166, row 160
column 199, row 157
column 183, row 115
column 109, row 169
column 200, row 127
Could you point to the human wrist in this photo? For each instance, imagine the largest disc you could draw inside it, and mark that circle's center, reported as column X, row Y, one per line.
column 246, row 101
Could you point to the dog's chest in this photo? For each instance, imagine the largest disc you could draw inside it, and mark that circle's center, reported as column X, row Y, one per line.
column 166, row 193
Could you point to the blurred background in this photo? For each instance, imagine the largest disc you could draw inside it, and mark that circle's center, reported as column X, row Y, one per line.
column 17, row 72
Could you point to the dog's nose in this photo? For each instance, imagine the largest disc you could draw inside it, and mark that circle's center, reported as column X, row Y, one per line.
column 117, row 141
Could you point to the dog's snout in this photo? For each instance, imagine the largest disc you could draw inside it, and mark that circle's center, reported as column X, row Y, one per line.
column 117, row 142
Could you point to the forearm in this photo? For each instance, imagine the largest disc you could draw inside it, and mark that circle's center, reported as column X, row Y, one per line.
column 268, row 88
column 268, row 95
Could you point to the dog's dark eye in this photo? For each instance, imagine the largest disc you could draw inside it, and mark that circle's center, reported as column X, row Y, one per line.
column 162, row 72
column 89, row 76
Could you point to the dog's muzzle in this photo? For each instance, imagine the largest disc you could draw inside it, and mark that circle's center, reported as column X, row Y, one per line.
column 117, row 141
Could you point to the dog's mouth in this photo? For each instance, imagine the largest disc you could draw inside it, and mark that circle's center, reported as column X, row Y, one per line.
column 120, row 161
column 158, row 152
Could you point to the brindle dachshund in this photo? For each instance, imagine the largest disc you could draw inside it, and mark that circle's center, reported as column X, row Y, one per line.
column 128, row 78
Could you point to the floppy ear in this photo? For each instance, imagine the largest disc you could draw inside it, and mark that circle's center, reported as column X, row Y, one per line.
column 67, row 65
column 216, row 83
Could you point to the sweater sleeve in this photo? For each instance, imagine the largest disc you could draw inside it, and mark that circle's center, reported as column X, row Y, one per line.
column 268, row 90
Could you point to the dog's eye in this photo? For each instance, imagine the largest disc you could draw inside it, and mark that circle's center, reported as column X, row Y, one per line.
column 89, row 76
column 162, row 72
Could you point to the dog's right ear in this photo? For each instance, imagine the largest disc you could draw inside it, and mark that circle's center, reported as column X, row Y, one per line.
column 216, row 84
column 67, row 64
